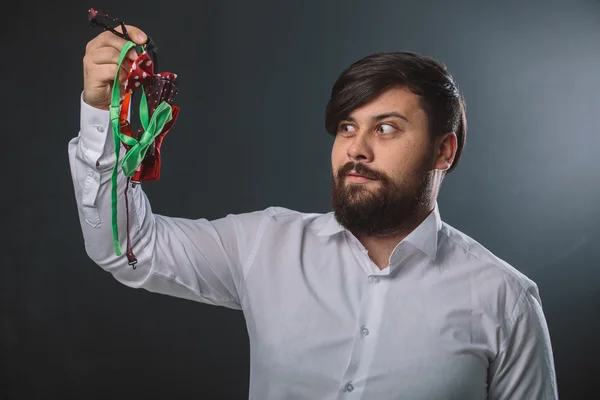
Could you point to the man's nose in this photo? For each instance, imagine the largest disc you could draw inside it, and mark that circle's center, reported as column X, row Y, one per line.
column 360, row 149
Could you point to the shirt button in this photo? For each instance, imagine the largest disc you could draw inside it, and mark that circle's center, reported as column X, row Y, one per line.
column 373, row 279
column 100, row 129
column 349, row 387
column 364, row 331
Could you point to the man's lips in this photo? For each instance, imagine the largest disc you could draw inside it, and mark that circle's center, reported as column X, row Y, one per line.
column 355, row 176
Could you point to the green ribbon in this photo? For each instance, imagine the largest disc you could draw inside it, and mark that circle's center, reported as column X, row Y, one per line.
column 138, row 148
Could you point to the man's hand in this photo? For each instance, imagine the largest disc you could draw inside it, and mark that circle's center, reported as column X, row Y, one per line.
column 100, row 65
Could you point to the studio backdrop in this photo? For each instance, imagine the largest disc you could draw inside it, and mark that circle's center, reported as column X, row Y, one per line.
column 254, row 78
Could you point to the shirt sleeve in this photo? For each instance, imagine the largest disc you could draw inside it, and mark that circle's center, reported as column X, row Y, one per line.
column 195, row 259
column 524, row 368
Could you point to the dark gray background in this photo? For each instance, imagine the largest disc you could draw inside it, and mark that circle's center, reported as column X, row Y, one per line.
column 254, row 79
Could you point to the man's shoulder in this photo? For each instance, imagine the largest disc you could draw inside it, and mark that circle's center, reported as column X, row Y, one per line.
column 279, row 216
column 482, row 262
column 283, row 216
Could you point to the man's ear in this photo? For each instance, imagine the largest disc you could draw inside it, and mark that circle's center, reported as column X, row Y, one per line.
column 445, row 151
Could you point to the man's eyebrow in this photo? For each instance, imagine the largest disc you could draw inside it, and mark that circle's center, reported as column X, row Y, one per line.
column 382, row 116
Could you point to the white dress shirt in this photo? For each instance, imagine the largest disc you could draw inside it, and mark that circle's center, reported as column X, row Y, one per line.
column 446, row 319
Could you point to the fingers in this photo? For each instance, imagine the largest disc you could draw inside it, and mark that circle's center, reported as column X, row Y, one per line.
column 105, row 73
column 110, row 55
column 108, row 38
column 100, row 64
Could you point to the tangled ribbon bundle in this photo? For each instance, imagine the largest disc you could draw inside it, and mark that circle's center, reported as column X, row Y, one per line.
column 157, row 115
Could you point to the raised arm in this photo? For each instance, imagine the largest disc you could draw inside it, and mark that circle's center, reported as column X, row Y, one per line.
column 198, row 259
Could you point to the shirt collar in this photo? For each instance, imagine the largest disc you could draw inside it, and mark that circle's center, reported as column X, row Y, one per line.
column 331, row 227
column 424, row 236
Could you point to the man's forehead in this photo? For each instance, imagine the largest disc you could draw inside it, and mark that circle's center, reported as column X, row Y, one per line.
column 397, row 100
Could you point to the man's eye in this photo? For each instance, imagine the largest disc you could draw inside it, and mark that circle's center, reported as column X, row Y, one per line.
column 346, row 128
column 390, row 128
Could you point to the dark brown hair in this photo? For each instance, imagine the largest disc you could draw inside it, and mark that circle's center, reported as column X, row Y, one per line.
column 369, row 77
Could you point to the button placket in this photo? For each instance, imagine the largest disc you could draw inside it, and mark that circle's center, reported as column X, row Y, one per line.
column 366, row 346
column 357, row 353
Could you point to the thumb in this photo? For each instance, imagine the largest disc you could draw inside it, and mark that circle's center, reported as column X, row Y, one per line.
column 139, row 37
column 136, row 34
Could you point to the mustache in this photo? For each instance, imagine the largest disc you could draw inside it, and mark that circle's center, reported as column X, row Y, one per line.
column 361, row 169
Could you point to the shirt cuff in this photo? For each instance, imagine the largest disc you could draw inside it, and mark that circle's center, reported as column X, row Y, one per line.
column 94, row 129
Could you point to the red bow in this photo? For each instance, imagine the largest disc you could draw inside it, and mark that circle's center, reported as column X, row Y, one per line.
column 157, row 87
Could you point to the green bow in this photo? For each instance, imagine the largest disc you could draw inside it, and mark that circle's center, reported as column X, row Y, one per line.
column 135, row 155
column 138, row 148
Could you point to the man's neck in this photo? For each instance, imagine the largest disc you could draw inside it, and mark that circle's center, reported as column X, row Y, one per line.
column 380, row 248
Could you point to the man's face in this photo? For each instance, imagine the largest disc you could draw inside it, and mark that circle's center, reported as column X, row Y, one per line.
column 387, row 142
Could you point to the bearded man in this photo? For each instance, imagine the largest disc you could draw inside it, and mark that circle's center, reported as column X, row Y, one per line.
column 377, row 299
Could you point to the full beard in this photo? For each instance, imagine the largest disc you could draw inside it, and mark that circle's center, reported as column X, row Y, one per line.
column 390, row 209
